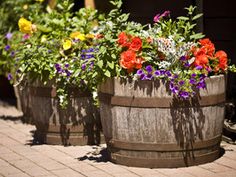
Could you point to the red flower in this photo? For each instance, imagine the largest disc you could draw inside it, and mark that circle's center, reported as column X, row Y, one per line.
column 124, row 40
column 201, row 60
column 136, row 44
column 128, row 59
column 208, row 46
column 222, row 56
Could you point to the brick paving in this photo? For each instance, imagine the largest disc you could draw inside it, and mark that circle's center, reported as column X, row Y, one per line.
column 20, row 158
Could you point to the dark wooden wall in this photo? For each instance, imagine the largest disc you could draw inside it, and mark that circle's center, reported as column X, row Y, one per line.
column 219, row 24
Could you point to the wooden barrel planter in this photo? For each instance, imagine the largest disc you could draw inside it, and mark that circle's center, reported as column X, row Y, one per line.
column 145, row 126
column 23, row 101
column 78, row 124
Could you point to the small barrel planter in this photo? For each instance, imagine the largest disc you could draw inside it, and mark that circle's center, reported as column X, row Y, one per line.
column 78, row 124
column 23, row 101
column 145, row 126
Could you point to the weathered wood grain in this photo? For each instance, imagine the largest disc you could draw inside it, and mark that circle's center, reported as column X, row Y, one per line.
column 78, row 124
column 183, row 125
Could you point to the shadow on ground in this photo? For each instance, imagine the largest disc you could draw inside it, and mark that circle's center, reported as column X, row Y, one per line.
column 99, row 155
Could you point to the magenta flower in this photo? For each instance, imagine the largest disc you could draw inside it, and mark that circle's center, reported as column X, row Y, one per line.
column 159, row 16
column 26, row 36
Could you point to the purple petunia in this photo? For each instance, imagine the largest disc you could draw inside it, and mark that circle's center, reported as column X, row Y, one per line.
column 58, row 68
column 8, row 35
column 168, row 73
column 192, row 81
column 174, row 89
column 9, row 76
column 194, row 75
column 12, row 54
column 149, row 68
column 139, row 72
column 7, row 47
column 184, row 94
column 186, row 65
column 67, row 65
column 199, row 67
column 183, row 58
column 181, row 82
column 142, row 76
column 201, row 84
column 68, row 73
column 149, row 76
column 83, row 67
column 157, row 73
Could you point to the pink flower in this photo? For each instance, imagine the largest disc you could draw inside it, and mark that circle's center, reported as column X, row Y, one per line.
column 158, row 16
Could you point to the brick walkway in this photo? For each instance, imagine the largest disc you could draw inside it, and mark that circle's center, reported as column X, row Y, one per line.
column 19, row 158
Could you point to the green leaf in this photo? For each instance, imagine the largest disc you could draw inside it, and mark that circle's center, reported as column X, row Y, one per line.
column 197, row 16
column 197, row 36
column 111, row 64
column 183, row 18
column 107, row 73
column 100, row 63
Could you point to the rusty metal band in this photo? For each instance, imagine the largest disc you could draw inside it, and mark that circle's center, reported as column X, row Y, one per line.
column 153, row 102
column 51, row 92
column 164, row 147
column 164, row 162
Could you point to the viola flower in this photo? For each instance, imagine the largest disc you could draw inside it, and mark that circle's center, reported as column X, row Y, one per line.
column 8, row 35
column 7, row 47
column 78, row 36
column 66, row 44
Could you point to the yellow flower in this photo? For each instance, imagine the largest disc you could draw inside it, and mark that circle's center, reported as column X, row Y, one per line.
column 66, row 44
column 25, row 7
column 39, row 0
column 26, row 26
column 89, row 36
column 77, row 35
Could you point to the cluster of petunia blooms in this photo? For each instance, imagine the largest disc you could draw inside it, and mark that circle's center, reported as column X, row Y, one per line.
column 159, row 51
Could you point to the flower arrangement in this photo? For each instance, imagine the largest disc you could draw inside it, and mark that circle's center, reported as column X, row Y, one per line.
column 10, row 37
column 60, row 49
column 169, row 49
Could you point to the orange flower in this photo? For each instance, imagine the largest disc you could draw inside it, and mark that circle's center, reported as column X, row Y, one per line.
column 207, row 46
column 128, row 59
column 136, row 44
column 124, row 40
column 201, row 60
column 222, row 56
